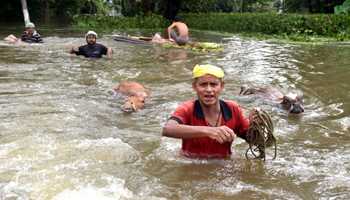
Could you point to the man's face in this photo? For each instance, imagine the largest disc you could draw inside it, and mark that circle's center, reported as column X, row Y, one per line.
column 91, row 39
column 208, row 89
column 30, row 31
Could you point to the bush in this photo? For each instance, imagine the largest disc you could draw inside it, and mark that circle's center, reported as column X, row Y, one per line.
column 289, row 25
column 343, row 9
column 101, row 22
column 271, row 23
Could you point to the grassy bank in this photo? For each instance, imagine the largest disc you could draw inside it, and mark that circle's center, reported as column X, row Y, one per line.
column 293, row 27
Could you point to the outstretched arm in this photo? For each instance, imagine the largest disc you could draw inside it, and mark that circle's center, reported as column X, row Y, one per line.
column 73, row 50
column 175, row 130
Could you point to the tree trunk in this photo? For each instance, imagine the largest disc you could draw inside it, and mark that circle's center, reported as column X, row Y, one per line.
column 318, row 6
column 172, row 7
column 147, row 6
column 45, row 6
column 237, row 5
column 129, row 7
column 25, row 11
column 281, row 7
column 329, row 5
column 309, row 5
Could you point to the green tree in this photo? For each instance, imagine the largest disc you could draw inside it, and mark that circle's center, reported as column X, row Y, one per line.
column 343, row 9
column 312, row 6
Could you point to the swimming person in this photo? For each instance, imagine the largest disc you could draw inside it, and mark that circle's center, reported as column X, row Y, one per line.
column 30, row 35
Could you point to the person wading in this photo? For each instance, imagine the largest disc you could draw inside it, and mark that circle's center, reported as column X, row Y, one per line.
column 30, row 35
column 92, row 49
column 207, row 125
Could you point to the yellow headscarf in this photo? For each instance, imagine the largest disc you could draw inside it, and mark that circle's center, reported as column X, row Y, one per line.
column 201, row 70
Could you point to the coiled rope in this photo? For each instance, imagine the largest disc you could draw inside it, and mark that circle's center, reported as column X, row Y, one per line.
column 260, row 134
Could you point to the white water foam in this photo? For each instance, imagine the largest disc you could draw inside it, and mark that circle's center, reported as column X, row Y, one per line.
column 116, row 190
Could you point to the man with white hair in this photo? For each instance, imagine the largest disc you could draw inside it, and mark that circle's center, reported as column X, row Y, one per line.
column 92, row 49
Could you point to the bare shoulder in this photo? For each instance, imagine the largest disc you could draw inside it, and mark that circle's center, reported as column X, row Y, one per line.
column 128, row 87
column 130, row 84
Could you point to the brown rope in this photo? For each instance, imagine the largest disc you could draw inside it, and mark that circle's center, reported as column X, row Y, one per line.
column 260, row 134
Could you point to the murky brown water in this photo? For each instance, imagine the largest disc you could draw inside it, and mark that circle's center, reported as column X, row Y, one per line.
column 63, row 136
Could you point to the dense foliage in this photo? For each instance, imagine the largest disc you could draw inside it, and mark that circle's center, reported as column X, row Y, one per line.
column 311, row 6
column 47, row 9
column 44, row 10
column 101, row 22
column 292, row 26
column 343, row 9
column 337, row 26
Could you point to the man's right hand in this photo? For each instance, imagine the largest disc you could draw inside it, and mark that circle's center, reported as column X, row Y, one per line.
column 73, row 50
column 221, row 134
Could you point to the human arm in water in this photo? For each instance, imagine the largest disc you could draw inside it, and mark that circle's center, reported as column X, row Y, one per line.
column 12, row 39
column 74, row 50
column 109, row 52
column 221, row 134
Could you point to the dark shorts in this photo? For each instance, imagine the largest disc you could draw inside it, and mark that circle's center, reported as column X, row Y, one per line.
column 178, row 39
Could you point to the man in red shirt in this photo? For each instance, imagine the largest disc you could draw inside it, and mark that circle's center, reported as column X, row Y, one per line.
column 208, row 125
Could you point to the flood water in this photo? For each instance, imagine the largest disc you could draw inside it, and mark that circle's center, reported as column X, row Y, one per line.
column 63, row 135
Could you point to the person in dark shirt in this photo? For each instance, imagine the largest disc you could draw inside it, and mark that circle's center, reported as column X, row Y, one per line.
column 30, row 35
column 92, row 49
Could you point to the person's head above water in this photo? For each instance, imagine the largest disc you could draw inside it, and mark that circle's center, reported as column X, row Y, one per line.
column 29, row 27
column 91, row 37
column 208, row 83
column 201, row 70
column 177, row 19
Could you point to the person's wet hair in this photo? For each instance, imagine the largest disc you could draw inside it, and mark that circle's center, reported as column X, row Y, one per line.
column 177, row 19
